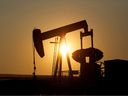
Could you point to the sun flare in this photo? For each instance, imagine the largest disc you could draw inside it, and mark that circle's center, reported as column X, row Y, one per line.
column 64, row 49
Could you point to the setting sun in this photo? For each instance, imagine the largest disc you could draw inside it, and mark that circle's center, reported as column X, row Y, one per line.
column 64, row 49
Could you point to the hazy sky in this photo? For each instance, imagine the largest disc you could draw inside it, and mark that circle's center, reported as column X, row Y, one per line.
column 108, row 19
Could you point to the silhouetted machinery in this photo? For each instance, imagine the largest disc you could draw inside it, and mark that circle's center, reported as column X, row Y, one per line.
column 87, row 58
column 116, row 70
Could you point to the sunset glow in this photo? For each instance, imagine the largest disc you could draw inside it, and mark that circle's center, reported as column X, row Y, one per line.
column 64, row 49
column 20, row 17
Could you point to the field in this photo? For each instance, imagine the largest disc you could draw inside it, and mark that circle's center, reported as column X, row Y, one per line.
column 46, row 85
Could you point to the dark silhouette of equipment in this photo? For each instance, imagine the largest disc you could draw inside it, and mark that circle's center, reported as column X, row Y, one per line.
column 58, row 67
column 56, row 49
column 89, row 69
column 79, row 55
column 93, row 54
column 116, row 70
column 87, row 58
column 38, row 37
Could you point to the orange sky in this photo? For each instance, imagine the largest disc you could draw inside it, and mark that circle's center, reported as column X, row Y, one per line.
column 108, row 19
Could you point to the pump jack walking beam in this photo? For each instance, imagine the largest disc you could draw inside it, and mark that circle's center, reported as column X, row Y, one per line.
column 38, row 37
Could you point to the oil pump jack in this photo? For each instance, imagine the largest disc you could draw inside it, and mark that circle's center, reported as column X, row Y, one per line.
column 87, row 69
